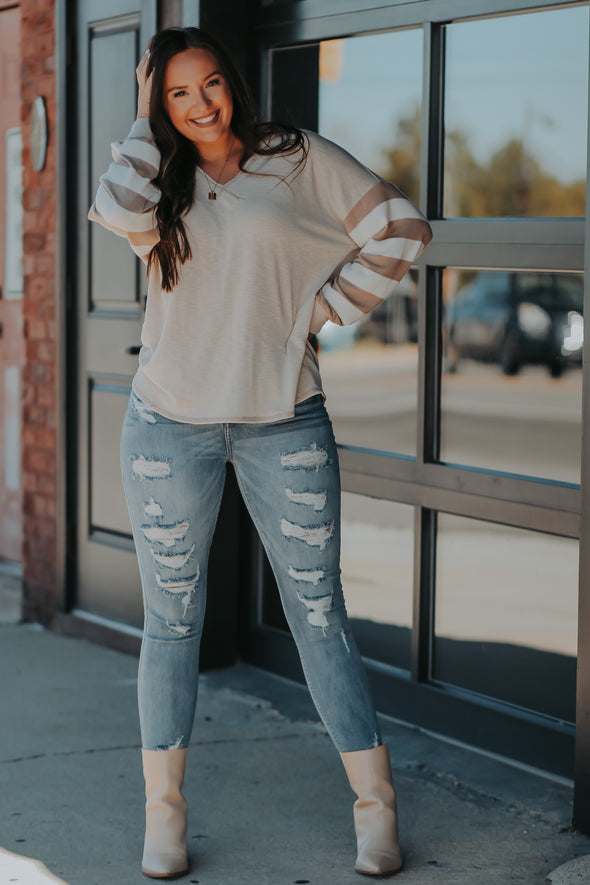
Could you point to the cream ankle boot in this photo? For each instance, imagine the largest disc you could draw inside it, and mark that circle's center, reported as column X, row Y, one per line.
column 164, row 852
column 375, row 816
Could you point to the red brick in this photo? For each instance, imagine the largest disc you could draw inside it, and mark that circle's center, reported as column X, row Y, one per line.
column 45, row 307
column 46, row 485
column 31, row 481
column 45, row 264
column 46, row 439
column 28, row 265
column 28, row 436
column 35, row 460
column 35, row 330
column 39, row 372
column 46, row 351
column 32, row 67
column 39, row 443
column 34, row 242
column 37, row 22
column 39, row 505
column 33, row 414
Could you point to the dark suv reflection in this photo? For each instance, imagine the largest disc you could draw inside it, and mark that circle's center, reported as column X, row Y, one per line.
column 517, row 318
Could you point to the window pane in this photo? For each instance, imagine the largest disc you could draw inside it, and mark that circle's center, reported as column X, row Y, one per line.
column 365, row 94
column 371, row 384
column 506, row 614
column 377, row 568
column 370, row 369
column 515, row 115
column 370, row 102
column 512, row 381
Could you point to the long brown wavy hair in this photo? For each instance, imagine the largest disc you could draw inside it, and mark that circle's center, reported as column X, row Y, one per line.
column 180, row 156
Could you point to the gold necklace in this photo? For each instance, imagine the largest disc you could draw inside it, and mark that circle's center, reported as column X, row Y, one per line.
column 212, row 194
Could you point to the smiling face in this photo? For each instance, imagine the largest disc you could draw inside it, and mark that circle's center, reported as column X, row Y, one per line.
column 197, row 98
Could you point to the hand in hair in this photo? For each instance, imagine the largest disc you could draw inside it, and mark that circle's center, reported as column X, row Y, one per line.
column 144, row 83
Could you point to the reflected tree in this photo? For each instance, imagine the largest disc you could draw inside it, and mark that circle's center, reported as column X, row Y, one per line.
column 511, row 184
column 402, row 161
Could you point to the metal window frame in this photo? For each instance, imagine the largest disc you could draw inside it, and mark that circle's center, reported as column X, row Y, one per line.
column 430, row 486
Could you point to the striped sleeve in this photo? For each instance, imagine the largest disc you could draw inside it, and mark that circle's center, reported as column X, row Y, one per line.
column 126, row 199
column 390, row 233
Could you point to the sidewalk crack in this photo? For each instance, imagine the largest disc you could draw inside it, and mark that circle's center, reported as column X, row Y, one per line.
column 194, row 743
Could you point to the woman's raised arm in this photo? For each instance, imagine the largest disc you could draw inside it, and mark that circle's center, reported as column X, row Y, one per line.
column 126, row 199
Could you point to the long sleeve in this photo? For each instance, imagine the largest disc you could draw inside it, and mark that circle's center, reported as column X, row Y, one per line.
column 126, row 198
column 389, row 232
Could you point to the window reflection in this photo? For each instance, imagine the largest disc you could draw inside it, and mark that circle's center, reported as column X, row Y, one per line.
column 515, row 115
column 505, row 627
column 377, row 567
column 370, row 369
column 512, row 378
column 370, row 101
column 366, row 95
column 370, row 374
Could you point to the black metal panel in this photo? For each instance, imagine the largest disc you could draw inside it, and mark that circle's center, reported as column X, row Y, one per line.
column 325, row 19
column 430, row 363
column 232, row 22
column 219, row 645
column 423, row 615
column 298, row 104
column 432, row 122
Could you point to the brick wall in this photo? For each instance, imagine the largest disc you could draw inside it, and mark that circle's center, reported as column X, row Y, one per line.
column 39, row 453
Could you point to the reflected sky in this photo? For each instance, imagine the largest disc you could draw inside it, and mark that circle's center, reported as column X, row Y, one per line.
column 378, row 80
column 522, row 76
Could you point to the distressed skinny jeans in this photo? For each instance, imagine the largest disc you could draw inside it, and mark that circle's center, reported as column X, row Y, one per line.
column 288, row 475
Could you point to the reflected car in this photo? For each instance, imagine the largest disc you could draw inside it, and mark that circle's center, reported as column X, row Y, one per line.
column 513, row 319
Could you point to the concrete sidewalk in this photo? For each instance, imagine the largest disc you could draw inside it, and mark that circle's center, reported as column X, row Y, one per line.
column 268, row 800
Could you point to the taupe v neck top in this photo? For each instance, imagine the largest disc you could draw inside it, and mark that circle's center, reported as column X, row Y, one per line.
column 275, row 256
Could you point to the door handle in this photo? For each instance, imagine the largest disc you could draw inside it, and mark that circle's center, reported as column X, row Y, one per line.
column 133, row 349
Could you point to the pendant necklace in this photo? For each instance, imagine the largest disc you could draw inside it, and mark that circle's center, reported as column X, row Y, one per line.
column 212, row 194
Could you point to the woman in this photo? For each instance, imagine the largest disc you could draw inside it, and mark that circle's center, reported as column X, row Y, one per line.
column 254, row 235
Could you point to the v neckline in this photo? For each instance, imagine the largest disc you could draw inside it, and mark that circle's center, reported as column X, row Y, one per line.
column 217, row 184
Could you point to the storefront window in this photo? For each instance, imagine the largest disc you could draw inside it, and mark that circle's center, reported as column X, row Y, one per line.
column 370, row 91
column 370, row 374
column 512, row 371
column 515, row 115
column 506, row 614
column 370, row 102
column 377, row 568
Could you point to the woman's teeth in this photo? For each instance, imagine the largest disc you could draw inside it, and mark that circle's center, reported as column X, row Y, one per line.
column 202, row 121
